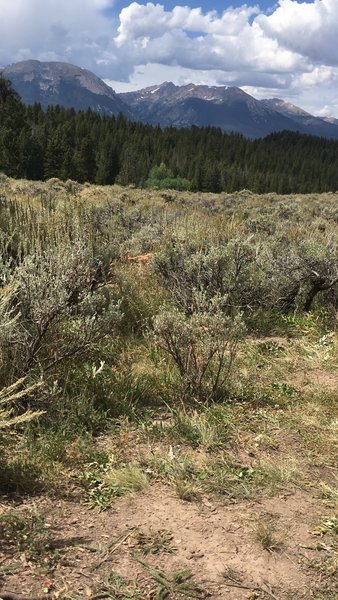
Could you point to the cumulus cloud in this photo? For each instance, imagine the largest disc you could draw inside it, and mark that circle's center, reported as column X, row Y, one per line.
column 148, row 33
column 308, row 29
column 319, row 76
column 152, row 20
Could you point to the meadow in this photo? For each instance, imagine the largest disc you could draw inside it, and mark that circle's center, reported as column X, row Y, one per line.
column 168, row 403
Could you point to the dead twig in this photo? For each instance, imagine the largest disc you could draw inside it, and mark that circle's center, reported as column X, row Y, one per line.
column 112, row 547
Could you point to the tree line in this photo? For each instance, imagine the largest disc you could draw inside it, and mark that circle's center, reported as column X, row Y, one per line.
column 84, row 146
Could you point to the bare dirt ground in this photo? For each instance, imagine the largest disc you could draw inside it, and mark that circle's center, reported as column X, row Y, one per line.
column 217, row 543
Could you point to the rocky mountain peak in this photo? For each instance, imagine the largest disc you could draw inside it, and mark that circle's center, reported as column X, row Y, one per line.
column 65, row 84
column 284, row 107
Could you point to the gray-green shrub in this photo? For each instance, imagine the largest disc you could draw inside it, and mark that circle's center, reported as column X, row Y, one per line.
column 202, row 345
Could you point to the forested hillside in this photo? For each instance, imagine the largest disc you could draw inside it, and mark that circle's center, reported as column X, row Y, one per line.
column 85, row 146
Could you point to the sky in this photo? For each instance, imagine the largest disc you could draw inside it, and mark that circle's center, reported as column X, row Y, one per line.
column 283, row 48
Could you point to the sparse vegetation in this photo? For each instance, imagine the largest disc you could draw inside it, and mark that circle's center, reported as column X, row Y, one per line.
column 106, row 482
column 155, row 542
column 163, row 358
column 267, row 536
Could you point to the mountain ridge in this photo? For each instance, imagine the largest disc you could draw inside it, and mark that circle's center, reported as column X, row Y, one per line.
column 228, row 107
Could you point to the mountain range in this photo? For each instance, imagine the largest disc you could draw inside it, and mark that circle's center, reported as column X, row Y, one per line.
column 229, row 108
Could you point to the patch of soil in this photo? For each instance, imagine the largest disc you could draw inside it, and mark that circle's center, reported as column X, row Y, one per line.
column 317, row 378
column 217, row 543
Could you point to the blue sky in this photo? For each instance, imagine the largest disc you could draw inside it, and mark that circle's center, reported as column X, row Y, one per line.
column 284, row 49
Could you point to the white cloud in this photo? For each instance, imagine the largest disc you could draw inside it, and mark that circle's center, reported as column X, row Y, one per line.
column 308, row 29
column 155, row 73
column 319, row 76
column 152, row 20
column 149, row 33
